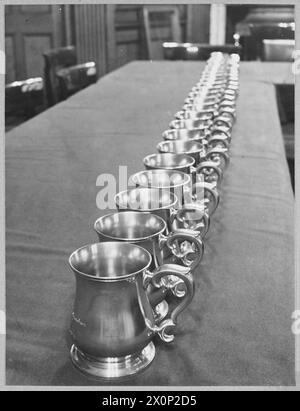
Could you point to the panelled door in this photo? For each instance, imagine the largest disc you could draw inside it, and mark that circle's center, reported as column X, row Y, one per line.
column 29, row 31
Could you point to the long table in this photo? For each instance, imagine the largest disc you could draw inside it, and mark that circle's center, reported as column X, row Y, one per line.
column 237, row 331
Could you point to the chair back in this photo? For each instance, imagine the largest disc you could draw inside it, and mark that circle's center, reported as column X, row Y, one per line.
column 278, row 50
column 278, row 31
column 25, row 96
column 75, row 78
column 56, row 60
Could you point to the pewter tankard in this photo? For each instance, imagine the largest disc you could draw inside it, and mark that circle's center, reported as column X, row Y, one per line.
column 179, row 161
column 197, row 105
column 185, row 163
column 164, row 204
column 113, row 324
column 195, row 149
column 174, row 181
column 205, row 115
column 202, row 104
column 149, row 231
column 199, row 152
column 196, row 134
column 169, row 161
column 191, row 123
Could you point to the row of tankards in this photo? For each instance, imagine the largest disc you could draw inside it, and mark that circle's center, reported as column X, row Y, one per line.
column 148, row 251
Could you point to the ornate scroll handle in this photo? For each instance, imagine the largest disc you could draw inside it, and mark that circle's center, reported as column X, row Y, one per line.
column 218, row 141
column 229, row 112
column 215, row 154
column 189, row 243
column 156, row 278
column 220, row 130
column 208, row 188
column 206, row 167
column 200, row 224
column 223, row 121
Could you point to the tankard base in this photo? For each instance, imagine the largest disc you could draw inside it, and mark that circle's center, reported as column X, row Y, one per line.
column 115, row 367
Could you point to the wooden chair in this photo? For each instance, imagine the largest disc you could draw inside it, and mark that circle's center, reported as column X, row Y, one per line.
column 154, row 19
column 63, row 76
column 196, row 51
column 275, row 42
column 278, row 50
column 23, row 100
column 75, row 78
column 261, row 32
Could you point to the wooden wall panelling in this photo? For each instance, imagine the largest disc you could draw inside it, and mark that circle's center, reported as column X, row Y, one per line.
column 94, row 35
column 111, row 37
column 198, row 23
column 129, row 36
column 10, row 59
column 30, row 30
column 34, row 46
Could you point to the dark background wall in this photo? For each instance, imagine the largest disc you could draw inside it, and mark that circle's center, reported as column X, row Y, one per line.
column 111, row 35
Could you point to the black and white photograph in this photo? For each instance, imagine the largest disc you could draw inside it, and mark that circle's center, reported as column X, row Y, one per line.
column 149, row 182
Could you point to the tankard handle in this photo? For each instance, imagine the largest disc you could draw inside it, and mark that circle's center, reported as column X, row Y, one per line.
column 216, row 153
column 193, row 204
column 228, row 111
column 201, row 224
column 209, row 188
column 218, row 141
column 223, row 121
column 228, row 101
column 183, row 243
column 207, row 168
column 157, row 279
column 219, row 130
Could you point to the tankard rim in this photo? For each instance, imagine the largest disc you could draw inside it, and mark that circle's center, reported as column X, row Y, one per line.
column 197, row 138
column 172, row 196
column 115, row 278
column 167, row 144
column 126, row 239
column 190, row 160
column 185, row 178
